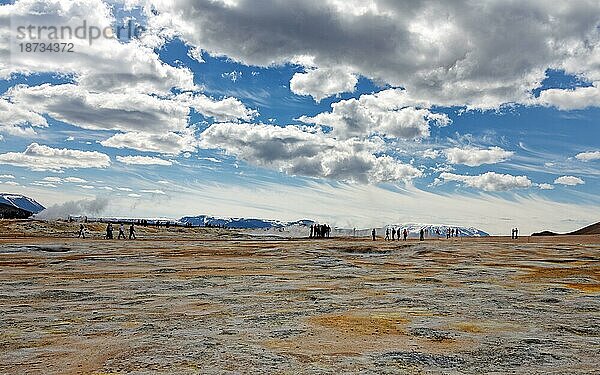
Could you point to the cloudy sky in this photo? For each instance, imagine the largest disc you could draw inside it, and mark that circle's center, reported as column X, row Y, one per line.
column 358, row 113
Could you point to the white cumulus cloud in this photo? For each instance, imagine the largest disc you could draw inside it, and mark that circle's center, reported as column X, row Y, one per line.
column 15, row 120
column 44, row 158
column 588, row 156
column 389, row 112
column 294, row 151
column 143, row 160
column 125, row 111
column 545, row 186
column 490, row 181
column 166, row 143
column 568, row 99
column 321, row 83
column 474, row 54
column 474, row 157
column 569, row 181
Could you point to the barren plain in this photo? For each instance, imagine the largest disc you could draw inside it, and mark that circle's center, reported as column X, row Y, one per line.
column 190, row 301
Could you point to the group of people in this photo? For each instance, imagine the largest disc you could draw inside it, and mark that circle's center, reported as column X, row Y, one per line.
column 423, row 232
column 451, row 232
column 395, row 233
column 109, row 232
column 514, row 234
column 320, row 230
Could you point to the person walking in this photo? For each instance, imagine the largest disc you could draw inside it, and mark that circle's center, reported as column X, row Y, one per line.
column 393, row 234
column 81, row 231
column 109, row 231
column 387, row 234
column 373, row 234
column 121, row 231
column 131, row 232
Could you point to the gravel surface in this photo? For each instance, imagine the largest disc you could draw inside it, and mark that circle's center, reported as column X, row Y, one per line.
column 279, row 306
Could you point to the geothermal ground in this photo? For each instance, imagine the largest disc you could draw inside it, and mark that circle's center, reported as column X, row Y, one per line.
column 189, row 301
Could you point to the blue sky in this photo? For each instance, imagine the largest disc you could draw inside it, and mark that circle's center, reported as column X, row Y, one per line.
column 198, row 117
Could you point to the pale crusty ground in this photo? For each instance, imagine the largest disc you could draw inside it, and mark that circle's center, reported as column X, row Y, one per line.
column 189, row 301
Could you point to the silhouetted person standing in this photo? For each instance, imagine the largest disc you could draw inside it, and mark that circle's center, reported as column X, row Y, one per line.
column 312, row 228
column 393, row 234
column 421, row 235
column 131, row 232
column 373, row 234
column 516, row 233
column 81, row 231
column 405, row 233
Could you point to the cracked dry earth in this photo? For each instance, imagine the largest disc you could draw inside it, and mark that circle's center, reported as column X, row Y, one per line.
column 299, row 306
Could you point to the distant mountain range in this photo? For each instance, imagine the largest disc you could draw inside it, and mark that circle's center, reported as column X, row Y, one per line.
column 301, row 228
column 236, row 222
column 16, row 206
column 430, row 230
column 437, row 230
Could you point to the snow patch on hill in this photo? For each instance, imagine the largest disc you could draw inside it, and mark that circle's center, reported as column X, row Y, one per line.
column 21, row 201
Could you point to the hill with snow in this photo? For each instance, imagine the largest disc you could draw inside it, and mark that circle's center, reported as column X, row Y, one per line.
column 18, row 206
column 240, row 223
column 436, row 231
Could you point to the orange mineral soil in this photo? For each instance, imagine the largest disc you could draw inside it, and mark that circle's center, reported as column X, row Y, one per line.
column 189, row 301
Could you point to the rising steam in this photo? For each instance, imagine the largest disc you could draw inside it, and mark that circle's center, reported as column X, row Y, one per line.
column 76, row 208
